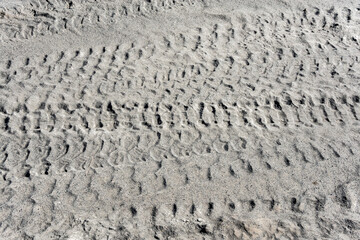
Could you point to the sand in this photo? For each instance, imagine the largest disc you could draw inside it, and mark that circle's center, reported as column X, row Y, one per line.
column 179, row 119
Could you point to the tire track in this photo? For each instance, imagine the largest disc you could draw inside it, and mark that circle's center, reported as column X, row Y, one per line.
column 241, row 128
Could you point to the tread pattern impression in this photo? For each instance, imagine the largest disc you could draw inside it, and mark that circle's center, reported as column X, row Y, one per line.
column 119, row 141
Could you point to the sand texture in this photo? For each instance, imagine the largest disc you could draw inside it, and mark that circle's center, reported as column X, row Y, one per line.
column 179, row 119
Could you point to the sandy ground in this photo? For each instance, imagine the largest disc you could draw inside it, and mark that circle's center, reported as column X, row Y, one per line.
column 179, row 119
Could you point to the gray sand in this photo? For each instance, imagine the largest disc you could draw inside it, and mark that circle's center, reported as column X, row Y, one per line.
column 179, row 119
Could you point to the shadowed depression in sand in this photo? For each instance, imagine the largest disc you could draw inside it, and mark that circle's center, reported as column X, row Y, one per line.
column 179, row 119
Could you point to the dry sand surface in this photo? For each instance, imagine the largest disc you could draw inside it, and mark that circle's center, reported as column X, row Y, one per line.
column 179, row 119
